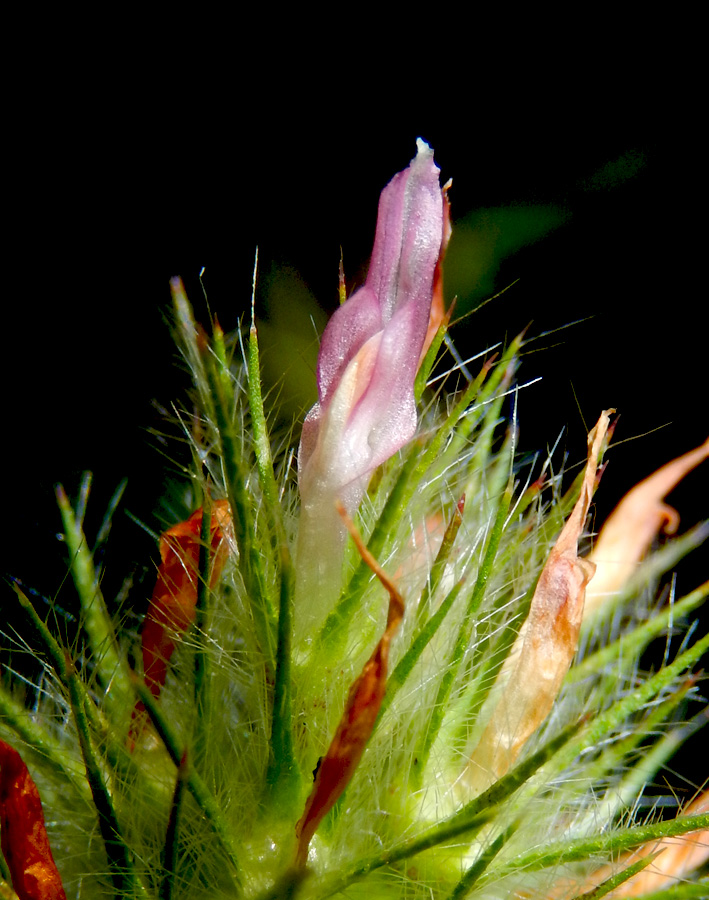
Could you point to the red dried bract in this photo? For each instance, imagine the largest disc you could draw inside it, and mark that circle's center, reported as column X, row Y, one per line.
column 23, row 835
column 173, row 604
column 355, row 728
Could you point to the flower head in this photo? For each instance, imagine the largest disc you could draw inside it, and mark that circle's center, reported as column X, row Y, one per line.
column 476, row 736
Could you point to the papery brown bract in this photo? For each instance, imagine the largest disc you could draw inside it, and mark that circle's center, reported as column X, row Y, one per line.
column 540, row 657
column 634, row 524
column 23, row 835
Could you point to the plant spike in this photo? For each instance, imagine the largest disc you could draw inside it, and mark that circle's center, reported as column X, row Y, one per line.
column 490, row 732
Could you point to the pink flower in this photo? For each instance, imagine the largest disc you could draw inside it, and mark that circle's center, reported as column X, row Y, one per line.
column 369, row 356
column 372, row 346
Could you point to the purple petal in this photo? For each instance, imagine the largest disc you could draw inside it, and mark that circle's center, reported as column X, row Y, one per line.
column 408, row 237
column 406, row 249
column 366, row 408
column 350, row 327
column 369, row 356
column 384, row 419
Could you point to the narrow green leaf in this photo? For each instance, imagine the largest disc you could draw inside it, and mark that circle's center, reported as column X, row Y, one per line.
column 262, row 444
column 475, row 872
column 283, row 776
column 283, row 773
column 613, row 842
column 250, row 559
column 463, row 640
column 109, row 665
column 44, row 743
column 610, row 884
column 478, row 398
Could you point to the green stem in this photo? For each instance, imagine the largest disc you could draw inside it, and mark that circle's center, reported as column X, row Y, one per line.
column 171, row 842
column 407, row 662
column 430, row 358
column 478, row 868
column 603, row 723
column 610, row 884
column 614, row 842
column 631, row 644
column 441, row 561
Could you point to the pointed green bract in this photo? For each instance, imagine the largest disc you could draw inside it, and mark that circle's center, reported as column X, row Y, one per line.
column 103, row 649
column 283, row 773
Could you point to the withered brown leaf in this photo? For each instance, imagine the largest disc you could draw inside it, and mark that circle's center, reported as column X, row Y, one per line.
column 530, row 680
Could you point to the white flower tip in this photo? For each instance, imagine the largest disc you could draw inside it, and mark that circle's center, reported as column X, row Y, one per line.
column 422, row 148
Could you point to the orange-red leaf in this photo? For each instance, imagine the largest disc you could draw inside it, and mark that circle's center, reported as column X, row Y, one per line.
column 23, row 836
column 355, row 728
column 174, row 600
column 172, row 607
